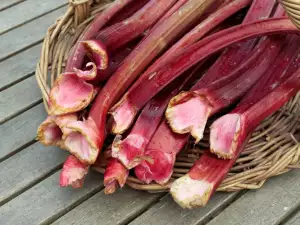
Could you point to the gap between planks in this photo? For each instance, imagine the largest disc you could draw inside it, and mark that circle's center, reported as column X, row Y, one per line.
column 5, row 4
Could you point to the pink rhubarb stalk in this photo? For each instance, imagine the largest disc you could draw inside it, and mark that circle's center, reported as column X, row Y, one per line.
column 76, row 57
column 130, row 151
column 226, row 132
column 234, row 54
column 130, row 69
column 115, row 174
column 196, row 187
column 73, row 173
column 121, row 33
column 51, row 131
column 69, row 94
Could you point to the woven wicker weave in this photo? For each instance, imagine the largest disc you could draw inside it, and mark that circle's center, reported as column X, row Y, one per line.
column 273, row 149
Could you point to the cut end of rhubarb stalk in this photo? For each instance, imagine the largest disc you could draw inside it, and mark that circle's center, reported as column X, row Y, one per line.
column 88, row 73
column 189, row 193
column 97, row 51
column 224, row 133
column 51, row 131
column 130, row 151
column 70, row 94
column 123, row 114
column 73, row 172
column 83, row 140
column 188, row 113
column 158, row 169
column 115, row 174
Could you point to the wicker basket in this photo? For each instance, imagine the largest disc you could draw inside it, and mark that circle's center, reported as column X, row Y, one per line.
column 273, row 149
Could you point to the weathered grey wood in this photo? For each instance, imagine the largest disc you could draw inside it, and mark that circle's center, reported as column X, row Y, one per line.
column 27, row 35
column 26, row 11
column 167, row 212
column 295, row 220
column 46, row 201
column 27, row 167
column 119, row 208
column 20, row 131
column 266, row 206
column 19, row 66
column 19, row 97
column 4, row 4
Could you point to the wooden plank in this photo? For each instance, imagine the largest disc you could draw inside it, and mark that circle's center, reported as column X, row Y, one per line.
column 119, row 208
column 20, row 131
column 295, row 220
column 25, row 12
column 18, row 98
column 266, row 206
column 167, row 212
column 47, row 201
column 27, row 35
column 4, row 4
column 19, row 66
column 27, row 167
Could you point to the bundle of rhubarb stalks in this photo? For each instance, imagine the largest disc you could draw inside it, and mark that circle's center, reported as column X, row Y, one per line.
column 146, row 77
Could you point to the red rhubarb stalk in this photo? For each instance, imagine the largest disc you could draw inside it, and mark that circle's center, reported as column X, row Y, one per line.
column 158, row 80
column 197, row 186
column 130, row 69
column 226, row 131
column 121, row 33
column 76, row 57
column 130, row 151
column 73, row 172
column 234, row 54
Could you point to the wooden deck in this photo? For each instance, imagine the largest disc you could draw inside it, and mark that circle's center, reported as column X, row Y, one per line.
column 29, row 189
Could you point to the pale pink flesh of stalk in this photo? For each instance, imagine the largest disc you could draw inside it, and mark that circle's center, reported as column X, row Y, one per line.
column 70, row 94
column 73, row 172
column 134, row 64
column 225, row 64
column 225, row 131
column 121, row 33
column 76, row 57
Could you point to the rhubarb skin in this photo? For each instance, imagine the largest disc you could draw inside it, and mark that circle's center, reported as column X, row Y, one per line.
column 70, row 94
column 197, row 33
column 115, row 174
column 121, row 33
column 162, row 150
column 136, row 62
column 51, row 131
column 73, row 173
column 76, row 57
column 196, row 187
column 257, row 104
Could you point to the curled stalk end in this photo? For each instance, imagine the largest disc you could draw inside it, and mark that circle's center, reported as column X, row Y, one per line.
column 97, row 51
column 70, row 94
column 224, row 134
column 189, row 193
column 158, row 169
column 52, row 130
column 188, row 113
column 83, row 140
column 73, row 173
column 123, row 114
column 88, row 73
column 115, row 174
column 129, row 151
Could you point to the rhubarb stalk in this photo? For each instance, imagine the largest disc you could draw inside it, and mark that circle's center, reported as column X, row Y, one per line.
column 234, row 54
column 76, row 57
column 197, row 186
column 226, row 132
column 121, row 33
column 130, row 69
